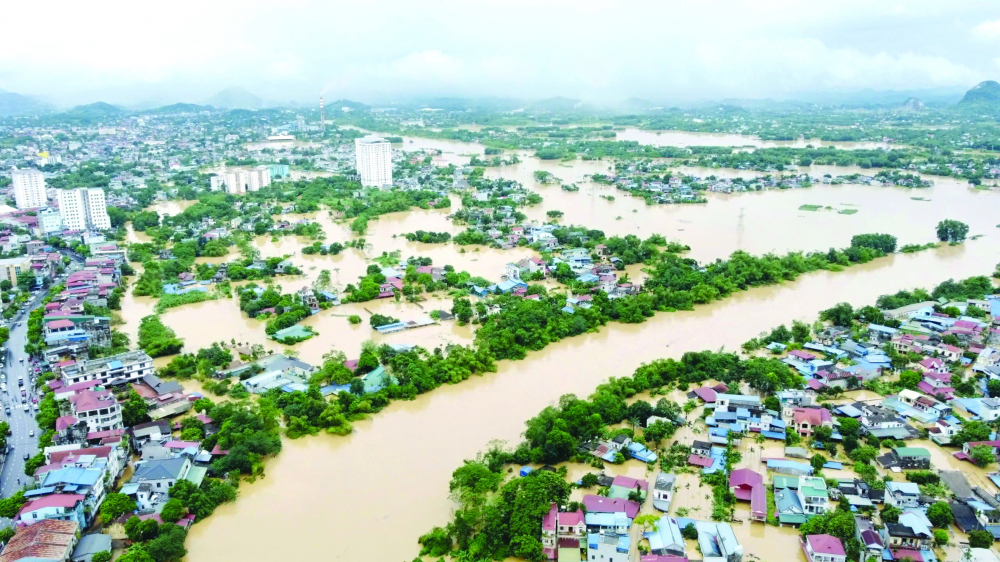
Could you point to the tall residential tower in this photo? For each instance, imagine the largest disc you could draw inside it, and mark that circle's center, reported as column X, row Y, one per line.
column 84, row 209
column 373, row 157
column 29, row 188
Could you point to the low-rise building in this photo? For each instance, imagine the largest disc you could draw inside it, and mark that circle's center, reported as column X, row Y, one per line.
column 114, row 370
column 48, row 541
column 824, row 548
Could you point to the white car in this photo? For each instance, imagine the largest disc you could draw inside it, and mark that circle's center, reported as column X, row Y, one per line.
column 31, row 433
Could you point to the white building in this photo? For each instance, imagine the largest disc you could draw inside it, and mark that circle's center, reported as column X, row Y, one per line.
column 99, row 410
column 29, row 188
column 49, row 221
column 373, row 156
column 241, row 181
column 84, row 209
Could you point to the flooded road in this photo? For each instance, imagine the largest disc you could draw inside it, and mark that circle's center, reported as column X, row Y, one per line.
column 393, row 471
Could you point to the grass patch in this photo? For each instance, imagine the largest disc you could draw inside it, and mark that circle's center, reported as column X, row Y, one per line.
column 810, row 207
column 913, row 248
column 191, row 297
column 847, row 211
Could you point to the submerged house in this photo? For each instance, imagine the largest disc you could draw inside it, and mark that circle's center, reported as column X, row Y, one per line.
column 748, row 485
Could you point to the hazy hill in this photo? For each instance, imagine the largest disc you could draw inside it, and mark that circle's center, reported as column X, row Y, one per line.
column 983, row 93
column 235, row 98
column 94, row 111
column 913, row 104
column 556, row 104
column 17, row 104
column 179, row 108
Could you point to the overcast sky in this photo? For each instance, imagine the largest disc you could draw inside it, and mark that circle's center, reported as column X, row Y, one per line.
column 134, row 52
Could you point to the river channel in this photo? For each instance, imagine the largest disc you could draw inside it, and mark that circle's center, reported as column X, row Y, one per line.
column 368, row 496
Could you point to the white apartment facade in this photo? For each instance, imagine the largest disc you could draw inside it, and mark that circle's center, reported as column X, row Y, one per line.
column 238, row 182
column 130, row 366
column 29, row 188
column 49, row 221
column 84, row 208
column 373, row 159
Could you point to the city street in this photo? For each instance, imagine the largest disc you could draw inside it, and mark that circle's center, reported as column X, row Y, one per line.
column 21, row 423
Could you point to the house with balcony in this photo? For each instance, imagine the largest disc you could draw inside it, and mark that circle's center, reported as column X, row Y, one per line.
column 902, row 494
column 114, row 370
column 813, row 496
column 98, row 409
column 60, row 507
column 806, row 420
column 912, row 532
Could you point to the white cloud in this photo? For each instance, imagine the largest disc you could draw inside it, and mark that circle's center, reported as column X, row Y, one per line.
column 987, row 31
column 660, row 49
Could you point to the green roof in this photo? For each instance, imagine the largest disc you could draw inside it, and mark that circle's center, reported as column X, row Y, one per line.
column 196, row 474
column 912, row 452
column 813, row 486
column 793, row 518
column 785, row 482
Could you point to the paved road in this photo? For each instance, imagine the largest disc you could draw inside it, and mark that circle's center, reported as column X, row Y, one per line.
column 22, row 424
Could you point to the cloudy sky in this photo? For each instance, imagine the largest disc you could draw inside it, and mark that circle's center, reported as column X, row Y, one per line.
column 599, row 50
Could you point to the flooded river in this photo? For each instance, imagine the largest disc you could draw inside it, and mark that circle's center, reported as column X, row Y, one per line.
column 393, row 471
column 369, row 496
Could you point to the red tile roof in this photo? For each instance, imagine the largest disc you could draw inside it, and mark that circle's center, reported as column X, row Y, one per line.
column 48, row 538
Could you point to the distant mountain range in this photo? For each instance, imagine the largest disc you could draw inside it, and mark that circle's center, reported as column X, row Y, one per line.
column 235, row 97
column 12, row 104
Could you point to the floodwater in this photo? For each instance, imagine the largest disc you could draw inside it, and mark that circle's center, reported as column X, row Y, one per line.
column 394, row 502
column 391, row 502
column 757, row 222
column 688, row 138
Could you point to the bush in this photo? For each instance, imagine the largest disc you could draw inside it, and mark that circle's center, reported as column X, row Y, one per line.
column 354, row 319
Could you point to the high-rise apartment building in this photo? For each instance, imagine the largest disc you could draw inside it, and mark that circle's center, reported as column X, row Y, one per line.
column 373, row 156
column 241, row 181
column 83, row 209
column 29, row 188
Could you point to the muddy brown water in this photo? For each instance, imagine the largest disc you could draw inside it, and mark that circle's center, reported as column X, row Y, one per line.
column 374, row 492
column 371, row 494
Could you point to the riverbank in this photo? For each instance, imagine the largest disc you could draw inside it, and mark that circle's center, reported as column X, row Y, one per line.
column 435, row 432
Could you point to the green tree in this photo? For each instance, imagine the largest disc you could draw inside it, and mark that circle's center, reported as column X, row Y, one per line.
column 982, row 456
column 133, row 528
column 952, row 231
column 939, row 514
column 136, row 553
column 114, row 506
column 102, row 556
column 891, row 514
column 6, row 534
column 980, row 539
column 840, row 315
column 993, row 388
column 940, row 537
column 817, row 462
column 173, row 510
